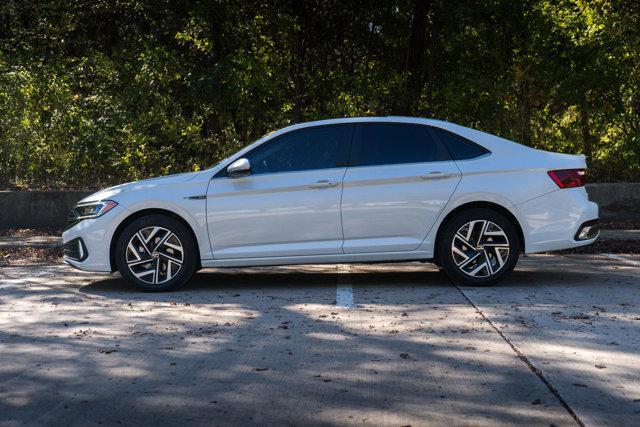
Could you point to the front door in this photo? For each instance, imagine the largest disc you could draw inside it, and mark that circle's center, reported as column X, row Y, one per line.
column 398, row 182
column 290, row 203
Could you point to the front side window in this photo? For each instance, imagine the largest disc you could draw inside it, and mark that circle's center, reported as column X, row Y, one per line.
column 322, row 147
column 387, row 144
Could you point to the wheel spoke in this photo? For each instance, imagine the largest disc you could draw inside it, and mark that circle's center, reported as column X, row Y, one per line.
column 163, row 240
column 153, row 232
column 483, row 229
column 172, row 246
column 140, row 262
column 144, row 273
column 143, row 243
column 134, row 251
column 486, row 256
column 470, row 230
column 477, row 269
column 501, row 260
column 459, row 252
column 155, row 276
column 169, row 257
column 469, row 260
column 464, row 239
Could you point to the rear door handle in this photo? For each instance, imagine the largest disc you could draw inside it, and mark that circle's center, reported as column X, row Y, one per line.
column 323, row 184
column 436, row 175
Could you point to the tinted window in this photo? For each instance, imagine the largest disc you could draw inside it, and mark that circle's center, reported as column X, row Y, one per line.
column 321, row 147
column 385, row 144
column 459, row 147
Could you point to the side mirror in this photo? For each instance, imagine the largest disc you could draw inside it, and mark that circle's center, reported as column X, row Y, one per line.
column 239, row 168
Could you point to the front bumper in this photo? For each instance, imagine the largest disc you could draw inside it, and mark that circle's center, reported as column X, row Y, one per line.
column 93, row 253
column 76, row 250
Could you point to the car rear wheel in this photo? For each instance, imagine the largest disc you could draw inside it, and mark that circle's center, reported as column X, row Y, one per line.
column 478, row 247
column 156, row 253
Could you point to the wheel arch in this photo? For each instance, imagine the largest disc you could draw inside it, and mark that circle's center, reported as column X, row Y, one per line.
column 486, row 205
column 139, row 214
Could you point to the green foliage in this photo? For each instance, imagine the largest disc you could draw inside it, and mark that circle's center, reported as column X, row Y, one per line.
column 99, row 92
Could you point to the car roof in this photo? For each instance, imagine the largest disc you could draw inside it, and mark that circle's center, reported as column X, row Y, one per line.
column 369, row 119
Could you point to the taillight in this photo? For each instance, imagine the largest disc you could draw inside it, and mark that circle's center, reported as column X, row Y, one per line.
column 569, row 178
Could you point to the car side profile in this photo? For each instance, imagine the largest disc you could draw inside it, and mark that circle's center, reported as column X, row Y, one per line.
column 374, row 189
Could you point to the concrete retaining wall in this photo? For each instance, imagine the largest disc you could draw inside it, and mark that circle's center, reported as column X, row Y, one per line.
column 37, row 209
column 617, row 201
column 49, row 209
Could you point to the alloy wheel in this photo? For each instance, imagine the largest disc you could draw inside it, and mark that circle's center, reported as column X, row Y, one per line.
column 480, row 248
column 154, row 255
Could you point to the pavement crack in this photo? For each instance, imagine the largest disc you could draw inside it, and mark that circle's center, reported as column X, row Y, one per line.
column 537, row 371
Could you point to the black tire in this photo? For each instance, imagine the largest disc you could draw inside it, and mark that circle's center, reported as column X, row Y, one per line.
column 497, row 263
column 162, row 259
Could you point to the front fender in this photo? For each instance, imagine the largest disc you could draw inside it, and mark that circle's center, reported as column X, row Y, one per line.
column 193, row 212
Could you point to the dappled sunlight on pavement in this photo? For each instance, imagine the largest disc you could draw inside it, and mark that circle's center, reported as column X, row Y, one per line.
column 270, row 345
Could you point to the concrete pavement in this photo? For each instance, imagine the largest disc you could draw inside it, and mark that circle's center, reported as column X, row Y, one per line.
column 386, row 344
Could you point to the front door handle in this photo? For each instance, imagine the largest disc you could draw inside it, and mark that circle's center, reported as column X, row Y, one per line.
column 323, row 184
column 436, row 175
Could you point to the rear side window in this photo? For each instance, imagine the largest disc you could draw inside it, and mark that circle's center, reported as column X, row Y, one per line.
column 322, row 147
column 459, row 147
column 387, row 144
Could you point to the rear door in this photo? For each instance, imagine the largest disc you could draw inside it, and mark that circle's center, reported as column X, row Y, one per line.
column 398, row 181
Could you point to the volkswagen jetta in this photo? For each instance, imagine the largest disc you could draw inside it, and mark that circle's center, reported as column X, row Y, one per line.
column 342, row 191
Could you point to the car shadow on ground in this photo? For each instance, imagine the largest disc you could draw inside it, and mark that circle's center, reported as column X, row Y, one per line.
column 258, row 279
column 370, row 275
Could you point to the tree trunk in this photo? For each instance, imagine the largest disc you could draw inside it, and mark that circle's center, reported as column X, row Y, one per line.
column 298, row 61
column 415, row 60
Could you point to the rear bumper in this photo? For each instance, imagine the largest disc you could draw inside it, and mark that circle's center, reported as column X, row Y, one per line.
column 555, row 220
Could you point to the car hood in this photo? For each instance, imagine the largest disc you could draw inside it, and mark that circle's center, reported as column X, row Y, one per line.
column 112, row 193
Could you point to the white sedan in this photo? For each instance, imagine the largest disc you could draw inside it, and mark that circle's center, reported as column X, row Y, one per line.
column 342, row 191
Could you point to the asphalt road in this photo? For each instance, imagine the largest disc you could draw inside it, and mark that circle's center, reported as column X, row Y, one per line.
column 386, row 344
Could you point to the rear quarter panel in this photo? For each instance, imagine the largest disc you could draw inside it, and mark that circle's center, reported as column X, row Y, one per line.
column 510, row 175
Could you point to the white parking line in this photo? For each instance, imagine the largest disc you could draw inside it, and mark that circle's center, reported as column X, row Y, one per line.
column 623, row 259
column 344, row 290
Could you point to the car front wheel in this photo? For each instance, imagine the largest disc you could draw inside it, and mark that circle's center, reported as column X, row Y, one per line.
column 156, row 253
column 478, row 247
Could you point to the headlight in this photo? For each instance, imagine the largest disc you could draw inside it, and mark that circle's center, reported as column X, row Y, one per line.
column 93, row 210
column 89, row 210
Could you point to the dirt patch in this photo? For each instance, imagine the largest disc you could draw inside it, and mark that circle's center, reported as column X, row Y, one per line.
column 27, row 255
column 606, row 246
column 30, row 232
column 623, row 225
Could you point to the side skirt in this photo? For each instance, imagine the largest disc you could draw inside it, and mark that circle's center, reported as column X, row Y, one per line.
column 320, row 259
